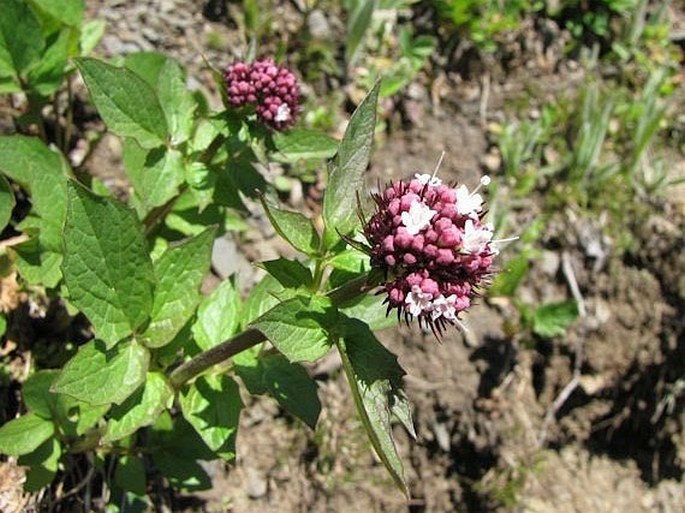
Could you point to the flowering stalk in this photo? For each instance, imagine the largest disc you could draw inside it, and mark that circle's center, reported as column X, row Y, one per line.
column 272, row 90
column 431, row 243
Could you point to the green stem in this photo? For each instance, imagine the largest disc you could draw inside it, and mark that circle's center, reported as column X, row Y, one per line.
column 217, row 354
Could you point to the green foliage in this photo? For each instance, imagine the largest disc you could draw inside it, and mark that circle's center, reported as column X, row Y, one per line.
column 134, row 271
column 482, row 21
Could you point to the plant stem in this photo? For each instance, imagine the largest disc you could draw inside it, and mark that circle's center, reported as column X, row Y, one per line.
column 217, row 354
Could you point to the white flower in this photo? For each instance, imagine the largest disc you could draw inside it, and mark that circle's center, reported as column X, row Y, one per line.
column 282, row 113
column 475, row 239
column 418, row 217
column 468, row 203
column 418, row 301
column 425, row 178
column 444, row 307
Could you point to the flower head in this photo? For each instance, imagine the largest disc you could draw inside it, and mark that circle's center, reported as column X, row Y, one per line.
column 272, row 89
column 430, row 241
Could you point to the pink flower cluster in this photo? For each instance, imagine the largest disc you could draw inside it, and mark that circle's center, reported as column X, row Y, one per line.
column 272, row 89
column 430, row 240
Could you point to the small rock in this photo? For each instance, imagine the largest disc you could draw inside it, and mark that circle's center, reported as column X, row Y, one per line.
column 492, row 161
column 441, row 436
column 550, row 263
column 256, row 484
column 318, row 25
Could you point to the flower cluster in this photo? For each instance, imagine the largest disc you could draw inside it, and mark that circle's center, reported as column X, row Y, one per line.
column 272, row 89
column 432, row 244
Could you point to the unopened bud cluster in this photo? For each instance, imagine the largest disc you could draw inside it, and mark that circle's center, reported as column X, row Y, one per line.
column 432, row 244
column 272, row 89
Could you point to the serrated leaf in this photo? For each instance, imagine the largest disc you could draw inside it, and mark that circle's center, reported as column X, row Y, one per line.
column 179, row 272
column 217, row 316
column 155, row 174
column 375, row 381
column 294, row 227
column 140, row 409
column 212, row 404
column 128, row 105
column 177, row 101
column 289, row 273
column 25, row 434
column 98, row 376
column 288, row 383
column 106, row 267
column 553, row 319
column 21, row 40
column 43, row 464
column 7, row 202
column 346, row 170
column 301, row 143
column 298, row 327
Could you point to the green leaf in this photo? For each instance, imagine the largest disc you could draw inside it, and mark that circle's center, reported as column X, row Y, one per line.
column 127, row 104
column 375, row 380
column 3, row 325
column 346, row 170
column 106, row 266
column 91, row 33
column 140, row 409
column 289, row 273
column 68, row 12
column 358, row 23
column 31, row 164
column 155, row 174
column 553, row 319
column 350, row 260
column 174, row 446
column 43, row 464
column 182, row 473
column 36, row 264
column 286, row 382
column 21, row 40
column 25, row 434
column 98, row 376
column 294, row 227
column 179, row 273
column 212, row 404
column 298, row 327
column 147, row 65
column 301, row 144
column 371, row 309
column 46, row 77
column 177, row 101
column 36, row 393
column 263, row 297
column 6, row 202
column 217, row 316
column 130, row 474
column 506, row 283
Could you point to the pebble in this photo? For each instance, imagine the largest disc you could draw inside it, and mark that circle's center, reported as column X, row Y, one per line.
column 318, row 25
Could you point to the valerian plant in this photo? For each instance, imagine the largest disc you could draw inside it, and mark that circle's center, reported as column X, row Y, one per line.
column 159, row 385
